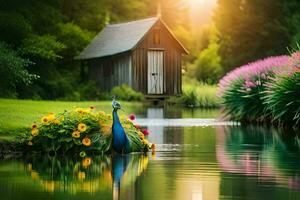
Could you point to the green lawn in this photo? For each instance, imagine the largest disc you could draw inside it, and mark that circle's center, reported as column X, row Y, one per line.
column 19, row 114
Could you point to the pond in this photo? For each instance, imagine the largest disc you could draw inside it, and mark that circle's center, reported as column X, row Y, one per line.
column 198, row 157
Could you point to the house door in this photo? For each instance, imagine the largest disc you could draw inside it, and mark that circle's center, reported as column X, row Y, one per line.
column 155, row 72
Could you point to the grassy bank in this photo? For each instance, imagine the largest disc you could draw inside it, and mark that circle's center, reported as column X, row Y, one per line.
column 19, row 114
column 196, row 94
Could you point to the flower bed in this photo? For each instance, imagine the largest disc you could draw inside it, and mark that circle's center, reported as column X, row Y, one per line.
column 80, row 130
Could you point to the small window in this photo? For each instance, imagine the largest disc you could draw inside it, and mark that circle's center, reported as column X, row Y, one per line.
column 156, row 37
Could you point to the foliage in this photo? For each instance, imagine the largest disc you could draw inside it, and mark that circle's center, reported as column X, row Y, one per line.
column 265, row 90
column 13, row 71
column 80, row 130
column 124, row 92
column 282, row 96
column 197, row 94
column 207, row 67
column 242, row 90
column 44, row 47
column 250, row 30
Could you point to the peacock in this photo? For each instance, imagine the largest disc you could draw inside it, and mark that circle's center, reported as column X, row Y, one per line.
column 120, row 141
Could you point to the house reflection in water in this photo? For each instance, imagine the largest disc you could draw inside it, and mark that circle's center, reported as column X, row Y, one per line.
column 161, row 134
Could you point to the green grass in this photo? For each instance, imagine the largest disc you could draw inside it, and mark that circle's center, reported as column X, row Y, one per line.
column 197, row 94
column 19, row 114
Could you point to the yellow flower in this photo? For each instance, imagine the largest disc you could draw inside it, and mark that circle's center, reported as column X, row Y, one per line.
column 81, row 175
column 102, row 113
column 34, row 175
column 34, row 132
column 145, row 141
column 106, row 129
column 76, row 134
column 86, row 141
column 82, row 127
column 86, row 162
column 49, row 185
column 56, row 121
column 82, row 111
column 109, row 116
column 127, row 126
column 45, row 120
column 29, row 143
column 51, row 116
column 33, row 126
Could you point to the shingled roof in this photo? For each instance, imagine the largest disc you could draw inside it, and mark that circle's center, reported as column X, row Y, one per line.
column 118, row 38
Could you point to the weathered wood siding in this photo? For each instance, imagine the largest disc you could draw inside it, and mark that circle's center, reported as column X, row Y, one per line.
column 111, row 71
column 172, row 60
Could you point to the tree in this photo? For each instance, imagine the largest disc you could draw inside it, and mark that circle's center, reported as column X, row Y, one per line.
column 13, row 71
column 250, row 29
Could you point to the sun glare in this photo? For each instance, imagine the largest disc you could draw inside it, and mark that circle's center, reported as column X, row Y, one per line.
column 196, row 2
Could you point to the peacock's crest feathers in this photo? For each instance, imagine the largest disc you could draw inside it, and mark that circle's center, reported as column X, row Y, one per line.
column 82, row 129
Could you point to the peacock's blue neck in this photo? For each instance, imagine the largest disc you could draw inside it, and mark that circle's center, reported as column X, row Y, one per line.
column 115, row 117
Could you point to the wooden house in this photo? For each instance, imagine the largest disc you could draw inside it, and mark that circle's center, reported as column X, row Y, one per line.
column 143, row 54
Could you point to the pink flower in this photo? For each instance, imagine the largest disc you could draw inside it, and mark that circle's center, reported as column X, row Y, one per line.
column 260, row 68
column 249, row 84
column 131, row 117
column 145, row 132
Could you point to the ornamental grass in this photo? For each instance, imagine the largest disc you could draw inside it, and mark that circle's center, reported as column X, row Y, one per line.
column 266, row 90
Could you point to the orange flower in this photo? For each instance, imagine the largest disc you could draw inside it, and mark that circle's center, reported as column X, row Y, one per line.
column 86, row 141
column 86, row 162
column 82, row 127
column 106, row 129
column 153, row 147
column 76, row 134
column 34, row 132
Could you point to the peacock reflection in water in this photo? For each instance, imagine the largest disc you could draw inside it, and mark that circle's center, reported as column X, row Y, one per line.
column 95, row 176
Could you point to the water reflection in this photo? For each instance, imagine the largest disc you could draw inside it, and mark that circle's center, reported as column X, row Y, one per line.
column 104, row 175
column 266, row 154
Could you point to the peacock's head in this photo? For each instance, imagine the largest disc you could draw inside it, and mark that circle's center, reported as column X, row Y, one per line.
column 116, row 105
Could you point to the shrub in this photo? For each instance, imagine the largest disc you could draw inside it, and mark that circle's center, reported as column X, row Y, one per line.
column 197, row 94
column 124, row 92
column 283, row 94
column 242, row 90
column 79, row 130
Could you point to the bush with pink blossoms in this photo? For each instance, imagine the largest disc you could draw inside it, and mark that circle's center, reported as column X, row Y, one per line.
column 243, row 90
column 282, row 97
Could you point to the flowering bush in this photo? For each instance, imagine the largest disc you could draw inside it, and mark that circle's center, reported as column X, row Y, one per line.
column 242, row 90
column 283, row 94
column 80, row 130
column 265, row 90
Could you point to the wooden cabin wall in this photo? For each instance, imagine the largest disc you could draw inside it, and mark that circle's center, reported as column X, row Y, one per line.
column 111, row 71
column 172, row 61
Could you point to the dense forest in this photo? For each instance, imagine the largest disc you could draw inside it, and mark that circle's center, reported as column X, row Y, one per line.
column 40, row 38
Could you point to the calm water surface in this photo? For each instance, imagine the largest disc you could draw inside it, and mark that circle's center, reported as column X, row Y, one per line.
column 205, row 159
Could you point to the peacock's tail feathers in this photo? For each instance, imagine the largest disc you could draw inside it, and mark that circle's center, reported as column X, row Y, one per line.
column 80, row 130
